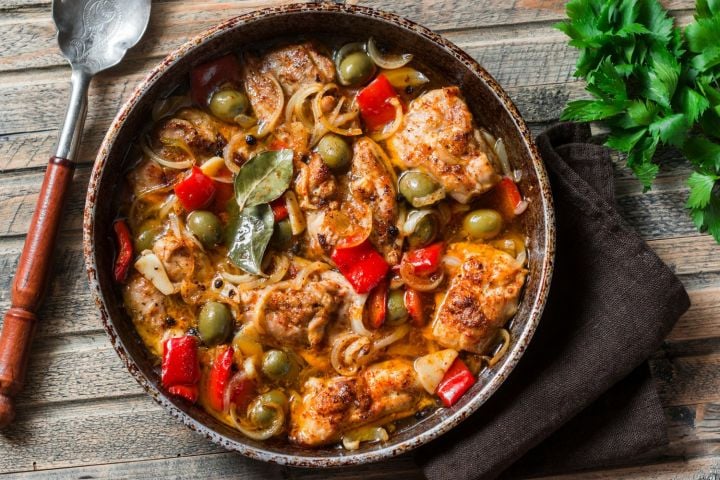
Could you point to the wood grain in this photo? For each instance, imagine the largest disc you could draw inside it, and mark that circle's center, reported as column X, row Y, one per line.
column 83, row 416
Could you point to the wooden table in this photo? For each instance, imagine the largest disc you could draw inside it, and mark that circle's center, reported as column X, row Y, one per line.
column 83, row 416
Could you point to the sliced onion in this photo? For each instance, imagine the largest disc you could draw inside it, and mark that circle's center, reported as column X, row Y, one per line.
column 393, row 337
column 388, row 61
column 343, row 52
column 263, row 434
column 451, row 261
column 235, row 380
column 298, row 99
column 390, row 129
column 229, row 150
column 245, row 121
column 501, row 152
column 266, row 126
column 320, row 116
column 431, row 368
column 352, row 439
column 387, row 163
column 295, row 214
column 431, row 199
column 150, row 267
column 503, row 349
column 357, row 307
column 348, row 352
column 181, row 165
column 247, row 343
column 422, row 284
column 405, row 77
column 212, row 166
column 520, row 207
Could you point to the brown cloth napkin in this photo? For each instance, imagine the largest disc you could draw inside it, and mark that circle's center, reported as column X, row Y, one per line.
column 582, row 395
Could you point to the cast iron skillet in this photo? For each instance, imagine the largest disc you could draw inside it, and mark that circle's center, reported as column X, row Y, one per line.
column 492, row 109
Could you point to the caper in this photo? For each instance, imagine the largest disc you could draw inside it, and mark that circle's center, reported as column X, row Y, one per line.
column 205, row 226
column 147, row 234
column 483, row 224
column 334, row 151
column 276, row 364
column 228, row 104
column 396, row 310
column 214, row 323
column 282, row 234
column 414, row 184
column 356, row 69
column 425, row 231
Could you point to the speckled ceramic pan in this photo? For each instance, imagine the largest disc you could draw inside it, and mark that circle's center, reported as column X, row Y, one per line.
column 492, row 109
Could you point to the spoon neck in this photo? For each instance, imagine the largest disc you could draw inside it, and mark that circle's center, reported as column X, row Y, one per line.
column 71, row 130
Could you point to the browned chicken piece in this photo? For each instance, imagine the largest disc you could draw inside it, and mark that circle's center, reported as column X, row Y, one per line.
column 329, row 407
column 299, row 317
column 176, row 255
column 437, row 136
column 298, row 65
column 152, row 312
column 264, row 92
column 148, row 174
column 480, row 299
column 371, row 184
column 334, row 207
column 204, row 135
column 295, row 136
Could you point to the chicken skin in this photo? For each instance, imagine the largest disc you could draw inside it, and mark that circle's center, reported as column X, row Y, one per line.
column 437, row 136
column 331, row 406
column 481, row 298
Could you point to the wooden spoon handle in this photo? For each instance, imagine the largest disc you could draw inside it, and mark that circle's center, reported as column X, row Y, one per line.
column 30, row 283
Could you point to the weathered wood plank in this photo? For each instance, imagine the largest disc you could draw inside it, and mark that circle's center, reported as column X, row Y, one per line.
column 705, row 468
column 687, row 380
column 703, row 318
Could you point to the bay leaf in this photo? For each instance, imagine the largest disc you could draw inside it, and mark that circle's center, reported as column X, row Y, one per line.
column 264, row 178
column 247, row 236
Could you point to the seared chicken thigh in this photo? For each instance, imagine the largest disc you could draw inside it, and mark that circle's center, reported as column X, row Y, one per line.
column 481, row 298
column 331, row 406
column 437, row 136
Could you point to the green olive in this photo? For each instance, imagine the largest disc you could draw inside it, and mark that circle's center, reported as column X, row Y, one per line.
column 147, row 234
column 282, row 234
column 356, row 69
column 228, row 104
column 276, row 364
column 205, row 226
column 215, row 323
column 261, row 414
column 425, row 231
column 396, row 310
column 483, row 224
column 334, row 151
column 414, row 184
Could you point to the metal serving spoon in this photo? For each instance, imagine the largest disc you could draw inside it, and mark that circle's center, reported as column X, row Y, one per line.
column 93, row 35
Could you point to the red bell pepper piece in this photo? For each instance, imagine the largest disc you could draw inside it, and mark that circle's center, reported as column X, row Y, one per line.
column 243, row 393
column 377, row 301
column 206, row 78
column 425, row 260
column 125, row 250
column 362, row 265
column 219, row 375
column 507, row 197
column 180, row 366
column 188, row 392
column 374, row 101
column 223, row 193
column 457, row 380
column 196, row 190
column 414, row 305
column 279, row 208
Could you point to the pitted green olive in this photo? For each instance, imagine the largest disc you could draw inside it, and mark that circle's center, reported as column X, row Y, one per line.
column 214, row 323
column 228, row 104
column 205, row 226
column 414, row 184
column 334, row 151
column 483, row 224
column 356, row 69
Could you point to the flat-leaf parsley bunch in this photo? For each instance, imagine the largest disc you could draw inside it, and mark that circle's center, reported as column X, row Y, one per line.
column 653, row 84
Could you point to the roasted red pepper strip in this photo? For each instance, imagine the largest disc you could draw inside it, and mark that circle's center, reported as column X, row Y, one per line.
column 279, row 208
column 223, row 193
column 196, row 190
column 362, row 265
column 125, row 250
column 188, row 392
column 414, row 305
column 180, row 366
column 425, row 260
column 219, row 375
column 457, row 380
column 374, row 101
column 377, row 301
column 507, row 197
column 206, row 78
column 243, row 393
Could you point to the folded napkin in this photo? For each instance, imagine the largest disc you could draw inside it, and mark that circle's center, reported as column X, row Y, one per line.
column 582, row 395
